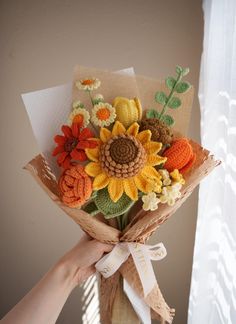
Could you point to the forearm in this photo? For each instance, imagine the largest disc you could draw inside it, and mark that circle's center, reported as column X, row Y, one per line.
column 44, row 302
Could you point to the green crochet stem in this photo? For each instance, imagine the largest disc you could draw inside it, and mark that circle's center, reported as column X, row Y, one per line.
column 180, row 75
column 122, row 221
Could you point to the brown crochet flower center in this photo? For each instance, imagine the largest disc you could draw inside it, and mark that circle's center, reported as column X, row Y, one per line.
column 123, row 150
column 122, row 156
column 70, row 144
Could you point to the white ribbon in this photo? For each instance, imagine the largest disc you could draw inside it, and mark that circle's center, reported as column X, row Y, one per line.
column 142, row 255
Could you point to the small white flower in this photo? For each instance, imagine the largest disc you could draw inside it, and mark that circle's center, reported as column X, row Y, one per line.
column 150, row 201
column 89, row 84
column 170, row 193
column 103, row 114
column 79, row 115
column 77, row 104
column 165, row 176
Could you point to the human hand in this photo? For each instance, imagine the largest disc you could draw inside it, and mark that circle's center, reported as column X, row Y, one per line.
column 52, row 291
column 79, row 263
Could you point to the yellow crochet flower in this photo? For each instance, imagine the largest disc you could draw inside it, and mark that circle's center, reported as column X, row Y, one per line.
column 128, row 111
column 124, row 162
column 177, row 176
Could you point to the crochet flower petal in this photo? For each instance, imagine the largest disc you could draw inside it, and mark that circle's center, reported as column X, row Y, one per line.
column 130, row 188
column 57, row 150
column 66, row 163
column 115, row 189
column 62, row 157
column 152, row 147
column 118, row 129
column 92, row 153
column 144, row 136
column 60, row 139
column 66, row 130
column 142, row 183
column 85, row 133
column 101, row 181
column 149, row 171
column 78, row 155
column 105, row 134
column 133, row 129
column 86, row 144
column 75, row 129
column 93, row 169
column 153, row 160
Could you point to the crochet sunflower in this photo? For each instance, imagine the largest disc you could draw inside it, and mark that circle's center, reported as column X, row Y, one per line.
column 124, row 161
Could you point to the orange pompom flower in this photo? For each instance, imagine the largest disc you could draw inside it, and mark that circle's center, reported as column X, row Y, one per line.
column 72, row 144
column 179, row 156
column 75, row 186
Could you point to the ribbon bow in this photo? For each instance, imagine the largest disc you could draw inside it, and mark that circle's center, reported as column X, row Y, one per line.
column 142, row 255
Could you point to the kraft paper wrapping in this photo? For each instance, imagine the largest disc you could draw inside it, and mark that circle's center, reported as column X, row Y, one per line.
column 139, row 230
column 142, row 224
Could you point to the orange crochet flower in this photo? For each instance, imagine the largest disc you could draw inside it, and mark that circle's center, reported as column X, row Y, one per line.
column 72, row 144
column 179, row 156
column 75, row 186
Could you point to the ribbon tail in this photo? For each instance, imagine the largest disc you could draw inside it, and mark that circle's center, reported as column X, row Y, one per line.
column 141, row 308
column 144, row 267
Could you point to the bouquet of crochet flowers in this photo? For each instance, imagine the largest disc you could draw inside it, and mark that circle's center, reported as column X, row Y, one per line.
column 119, row 169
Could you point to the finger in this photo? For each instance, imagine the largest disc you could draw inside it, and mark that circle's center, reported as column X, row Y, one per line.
column 108, row 247
column 103, row 247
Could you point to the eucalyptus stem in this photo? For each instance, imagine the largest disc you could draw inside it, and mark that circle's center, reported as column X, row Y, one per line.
column 170, row 95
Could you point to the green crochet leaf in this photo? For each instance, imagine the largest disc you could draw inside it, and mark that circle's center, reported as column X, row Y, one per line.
column 152, row 113
column 94, row 194
column 109, row 208
column 91, row 208
column 178, row 69
column 185, row 71
column 161, row 97
column 174, row 103
column 97, row 101
column 182, row 87
column 168, row 120
column 170, row 82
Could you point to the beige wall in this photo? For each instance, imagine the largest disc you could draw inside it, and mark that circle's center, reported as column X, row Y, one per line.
column 41, row 41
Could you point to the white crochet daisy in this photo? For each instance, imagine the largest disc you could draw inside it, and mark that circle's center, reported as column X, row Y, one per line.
column 103, row 114
column 79, row 115
column 89, row 84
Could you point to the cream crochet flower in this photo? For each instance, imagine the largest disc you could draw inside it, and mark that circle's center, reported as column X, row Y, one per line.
column 88, row 84
column 103, row 114
column 80, row 116
column 150, row 201
column 170, row 193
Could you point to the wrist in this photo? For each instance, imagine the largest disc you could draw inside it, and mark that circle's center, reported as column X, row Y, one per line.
column 66, row 273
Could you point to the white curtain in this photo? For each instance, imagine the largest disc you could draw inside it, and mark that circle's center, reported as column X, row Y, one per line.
column 213, row 286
